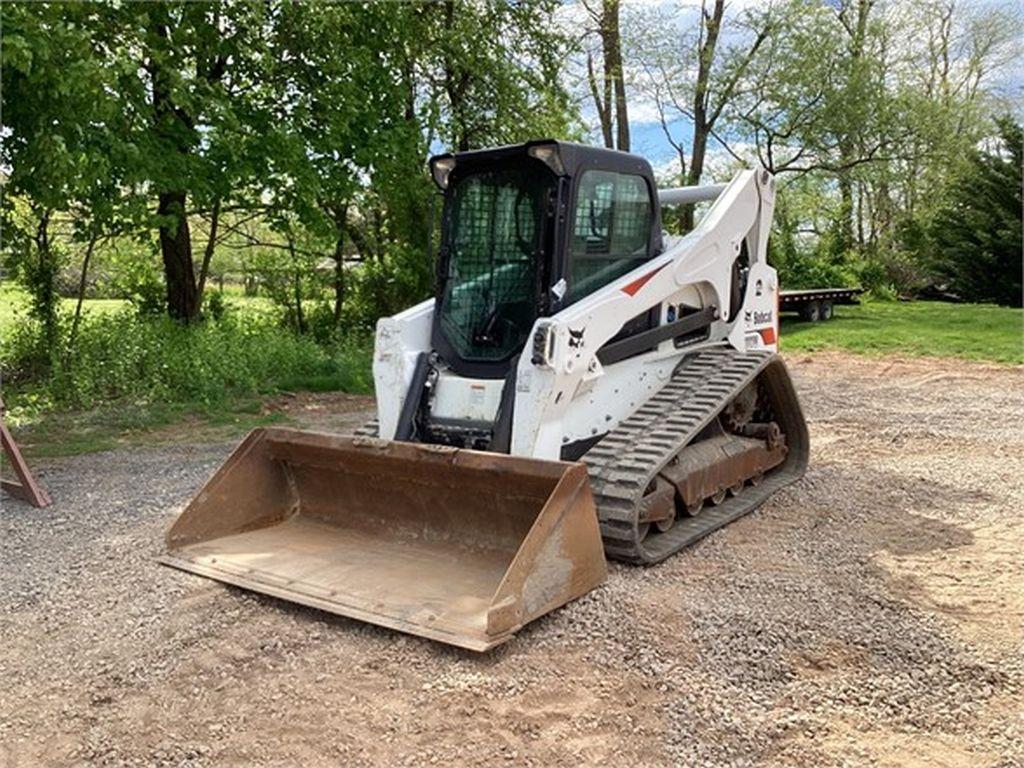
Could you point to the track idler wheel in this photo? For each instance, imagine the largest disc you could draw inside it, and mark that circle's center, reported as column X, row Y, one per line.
column 658, row 507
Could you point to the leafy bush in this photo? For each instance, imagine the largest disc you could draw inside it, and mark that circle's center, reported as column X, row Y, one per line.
column 140, row 283
column 216, row 307
column 382, row 287
column 128, row 357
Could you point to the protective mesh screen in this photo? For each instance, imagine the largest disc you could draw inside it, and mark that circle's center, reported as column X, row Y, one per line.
column 494, row 222
column 611, row 229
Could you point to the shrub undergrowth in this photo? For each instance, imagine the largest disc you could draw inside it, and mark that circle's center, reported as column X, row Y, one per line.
column 128, row 357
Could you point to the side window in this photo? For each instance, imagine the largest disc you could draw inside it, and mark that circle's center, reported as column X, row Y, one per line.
column 611, row 230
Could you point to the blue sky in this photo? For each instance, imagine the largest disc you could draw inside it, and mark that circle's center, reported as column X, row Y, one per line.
column 648, row 138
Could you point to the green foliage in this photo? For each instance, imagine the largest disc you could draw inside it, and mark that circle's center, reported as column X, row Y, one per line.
column 400, row 278
column 306, row 116
column 128, row 358
column 978, row 234
column 138, row 281
column 802, row 261
column 216, row 307
column 36, row 263
column 871, row 132
column 936, row 329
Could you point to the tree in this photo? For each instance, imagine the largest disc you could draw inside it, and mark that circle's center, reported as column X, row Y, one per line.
column 184, row 74
column 609, row 94
column 979, row 233
column 57, row 154
column 873, row 106
column 693, row 80
column 336, row 119
column 476, row 93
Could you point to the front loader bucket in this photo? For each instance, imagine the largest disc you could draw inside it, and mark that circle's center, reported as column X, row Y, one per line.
column 455, row 545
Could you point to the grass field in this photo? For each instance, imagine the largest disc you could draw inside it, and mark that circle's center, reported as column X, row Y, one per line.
column 965, row 331
column 130, row 377
column 14, row 304
column 968, row 331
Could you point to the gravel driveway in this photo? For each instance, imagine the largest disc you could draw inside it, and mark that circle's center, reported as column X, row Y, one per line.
column 873, row 614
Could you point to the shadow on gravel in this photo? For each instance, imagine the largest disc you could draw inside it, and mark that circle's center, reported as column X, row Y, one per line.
column 350, row 628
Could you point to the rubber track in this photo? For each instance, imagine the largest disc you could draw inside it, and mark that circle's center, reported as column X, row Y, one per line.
column 629, row 457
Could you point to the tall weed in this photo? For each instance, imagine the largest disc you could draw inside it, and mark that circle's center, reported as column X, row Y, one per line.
column 129, row 357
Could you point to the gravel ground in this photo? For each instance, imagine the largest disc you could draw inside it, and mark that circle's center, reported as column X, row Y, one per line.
column 873, row 614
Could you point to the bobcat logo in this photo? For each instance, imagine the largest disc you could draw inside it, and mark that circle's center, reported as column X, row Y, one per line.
column 576, row 338
column 756, row 318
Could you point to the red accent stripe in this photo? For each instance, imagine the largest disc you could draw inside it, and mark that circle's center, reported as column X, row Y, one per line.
column 767, row 335
column 640, row 282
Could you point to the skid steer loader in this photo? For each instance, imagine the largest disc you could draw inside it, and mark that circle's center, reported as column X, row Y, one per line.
column 580, row 385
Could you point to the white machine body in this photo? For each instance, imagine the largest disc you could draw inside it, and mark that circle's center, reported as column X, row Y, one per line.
column 563, row 393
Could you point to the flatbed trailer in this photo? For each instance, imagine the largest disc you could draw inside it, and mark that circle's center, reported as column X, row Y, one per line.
column 815, row 304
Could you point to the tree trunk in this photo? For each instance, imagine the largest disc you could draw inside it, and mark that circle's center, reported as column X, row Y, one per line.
column 856, row 28
column 612, row 43
column 82, row 283
column 43, row 281
column 711, row 23
column 457, row 80
column 845, row 211
column 610, row 95
column 300, row 315
column 176, row 249
column 602, row 107
column 172, row 124
column 340, row 222
column 211, row 246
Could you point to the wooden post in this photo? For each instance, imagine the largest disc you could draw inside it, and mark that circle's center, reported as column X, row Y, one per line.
column 26, row 486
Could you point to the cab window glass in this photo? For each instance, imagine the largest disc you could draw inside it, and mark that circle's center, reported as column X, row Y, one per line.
column 611, row 230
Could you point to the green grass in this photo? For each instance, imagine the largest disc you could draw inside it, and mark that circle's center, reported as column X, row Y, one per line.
column 70, row 433
column 925, row 328
column 131, row 379
column 146, row 382
column 14, row 305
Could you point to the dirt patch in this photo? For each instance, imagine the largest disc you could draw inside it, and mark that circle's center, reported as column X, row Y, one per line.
column 328, row 411
column 870, row 615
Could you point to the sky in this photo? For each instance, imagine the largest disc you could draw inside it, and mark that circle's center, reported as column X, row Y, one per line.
column 647, row 135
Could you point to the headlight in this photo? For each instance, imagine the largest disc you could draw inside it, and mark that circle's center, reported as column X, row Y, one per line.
column 548, row 154
column 441, row 168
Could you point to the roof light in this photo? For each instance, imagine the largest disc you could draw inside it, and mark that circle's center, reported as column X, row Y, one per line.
column 548, row 154
column 441, row 168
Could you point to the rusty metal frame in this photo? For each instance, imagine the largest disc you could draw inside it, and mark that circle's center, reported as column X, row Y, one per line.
column 26, row 487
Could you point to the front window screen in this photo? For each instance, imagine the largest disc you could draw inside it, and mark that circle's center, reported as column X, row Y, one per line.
column 494, row 228
column 611, row 230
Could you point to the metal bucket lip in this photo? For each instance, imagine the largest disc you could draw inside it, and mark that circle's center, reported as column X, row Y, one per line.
column 450, row 636
column 465, row 457
column 564, row 499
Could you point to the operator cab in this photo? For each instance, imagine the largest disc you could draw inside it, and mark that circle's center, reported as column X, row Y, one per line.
column 526, row 231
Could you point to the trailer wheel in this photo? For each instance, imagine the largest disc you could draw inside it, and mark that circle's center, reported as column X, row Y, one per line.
column 826, row 310
column 811, row 312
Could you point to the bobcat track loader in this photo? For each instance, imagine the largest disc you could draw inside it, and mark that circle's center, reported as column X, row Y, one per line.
column 580, row 385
